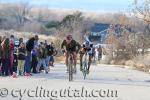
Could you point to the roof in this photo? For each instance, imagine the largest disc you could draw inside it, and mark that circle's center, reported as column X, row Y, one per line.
column 99, row 27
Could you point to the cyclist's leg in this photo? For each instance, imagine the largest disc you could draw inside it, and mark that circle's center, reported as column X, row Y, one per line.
column 81, row 58
column 99, row 56
column 75, row 60
column 66, row 60
column 90, row 61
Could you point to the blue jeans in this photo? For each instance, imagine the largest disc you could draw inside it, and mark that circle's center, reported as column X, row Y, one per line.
column 5, row 66
column 51, row 59
column 40, row 63
column 47, row 60
column 28, row 63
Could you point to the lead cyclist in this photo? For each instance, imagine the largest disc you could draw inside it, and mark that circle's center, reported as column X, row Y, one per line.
column 69, row 44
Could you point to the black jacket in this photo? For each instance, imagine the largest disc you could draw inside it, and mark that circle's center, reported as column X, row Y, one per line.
column 72, row 46
column 30, row 44
column 50, row 50
column 21, row 53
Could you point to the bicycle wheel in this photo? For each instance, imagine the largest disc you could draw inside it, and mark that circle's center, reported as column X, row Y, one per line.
column 70, row 65
column 84, row 70
column 85, row 65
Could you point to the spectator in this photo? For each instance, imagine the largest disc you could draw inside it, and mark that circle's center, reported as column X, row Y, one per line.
column 53, row 52
column 34, row 54
column 15, row 61
column 11, row 54
column 48, row 47
column 5, row 56
column 42, row 54
column 20, row 41
column 46, row 42
column 99, row 52
column 3, row 38
column 21, row 59
column 29, row 47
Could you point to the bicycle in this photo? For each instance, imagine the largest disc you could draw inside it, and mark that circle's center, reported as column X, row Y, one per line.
column 85, row 64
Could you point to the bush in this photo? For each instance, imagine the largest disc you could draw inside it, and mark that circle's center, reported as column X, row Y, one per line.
column 142, row 62
column 53, row 24
column 57, row 43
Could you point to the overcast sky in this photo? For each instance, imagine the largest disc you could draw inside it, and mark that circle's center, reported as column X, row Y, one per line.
column 93, row 5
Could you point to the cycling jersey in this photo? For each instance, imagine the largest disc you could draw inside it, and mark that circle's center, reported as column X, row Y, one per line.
column 88, row 46
column 72, row 46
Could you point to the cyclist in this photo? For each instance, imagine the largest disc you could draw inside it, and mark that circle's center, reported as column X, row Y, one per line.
column 70, row 45
column 87, row 47
column 99, row 49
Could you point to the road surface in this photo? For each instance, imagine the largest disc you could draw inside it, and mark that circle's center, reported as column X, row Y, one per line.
column 105, row 82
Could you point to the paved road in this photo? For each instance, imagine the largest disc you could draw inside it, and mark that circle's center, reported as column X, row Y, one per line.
column 105, row 82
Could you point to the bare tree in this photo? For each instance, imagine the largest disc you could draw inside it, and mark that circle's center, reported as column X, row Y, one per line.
column 19, row 12
column 141, row 10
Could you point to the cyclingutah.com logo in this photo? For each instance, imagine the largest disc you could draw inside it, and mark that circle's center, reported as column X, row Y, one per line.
column 53, row 94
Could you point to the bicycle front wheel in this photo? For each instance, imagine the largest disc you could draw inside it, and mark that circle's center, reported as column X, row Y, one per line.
column 85, row 65
column 70, row 65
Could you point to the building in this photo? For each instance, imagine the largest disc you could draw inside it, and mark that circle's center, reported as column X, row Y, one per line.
column 98, row 32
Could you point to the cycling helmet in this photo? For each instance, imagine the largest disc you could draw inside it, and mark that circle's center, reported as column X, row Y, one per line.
column 69, row 37
column 87, row 44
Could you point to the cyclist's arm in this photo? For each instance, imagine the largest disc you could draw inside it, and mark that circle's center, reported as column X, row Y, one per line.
column 78, row 45
column 63, row 44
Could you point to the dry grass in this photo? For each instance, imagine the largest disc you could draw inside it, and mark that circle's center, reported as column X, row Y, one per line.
column 26, row 35
column 142, row 62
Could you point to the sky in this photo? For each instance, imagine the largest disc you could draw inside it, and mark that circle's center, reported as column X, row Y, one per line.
column 92, row 5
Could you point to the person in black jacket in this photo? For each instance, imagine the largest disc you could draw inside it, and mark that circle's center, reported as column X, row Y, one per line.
column 21, row 59
column 34, row 55
column 20, row 41
column 51, row 53
column 28, row 59
column 30, row 44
